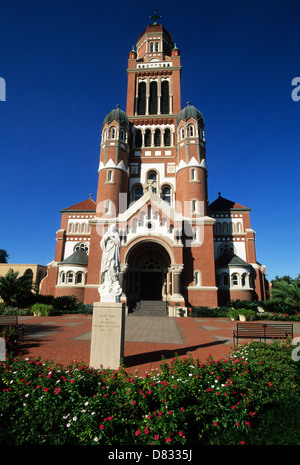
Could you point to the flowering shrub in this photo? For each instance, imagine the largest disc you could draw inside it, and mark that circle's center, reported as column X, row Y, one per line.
column 186, row 402
column 9, row 335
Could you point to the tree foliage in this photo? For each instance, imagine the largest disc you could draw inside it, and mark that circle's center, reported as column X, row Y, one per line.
column 288, row 291
column 13, row 288
column 3, row 256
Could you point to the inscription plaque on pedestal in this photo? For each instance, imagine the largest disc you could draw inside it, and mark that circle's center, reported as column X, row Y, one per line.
column 108, row 331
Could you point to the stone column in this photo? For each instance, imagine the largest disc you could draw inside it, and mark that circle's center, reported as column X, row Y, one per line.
column 176, row 272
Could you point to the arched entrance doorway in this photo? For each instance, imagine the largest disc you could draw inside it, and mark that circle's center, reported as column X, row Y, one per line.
column 147, row 272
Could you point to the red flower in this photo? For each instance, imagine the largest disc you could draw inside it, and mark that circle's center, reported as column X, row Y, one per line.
column 168, row 440
column 156, row 437
column 215, row 423
column 146, row 430
column 138, row 432
column 133, row 402
column 57, row 390
column 180, row 433
column 233, row 407
column 101, row 427
column 45, row 389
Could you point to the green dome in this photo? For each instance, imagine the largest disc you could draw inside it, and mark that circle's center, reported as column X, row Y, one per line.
column 188, row 112
column 116, row 115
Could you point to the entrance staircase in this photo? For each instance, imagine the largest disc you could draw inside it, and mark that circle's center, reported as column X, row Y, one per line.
column 150, row 308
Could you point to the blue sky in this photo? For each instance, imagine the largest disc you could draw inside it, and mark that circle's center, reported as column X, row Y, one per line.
column 64, row 64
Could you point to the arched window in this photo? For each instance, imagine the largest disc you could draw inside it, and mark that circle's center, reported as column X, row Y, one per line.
column 167, row 137
column 79, row 278
column 191, row 130
column 70, row 229
column 123, row 135
column 109, row 176
column 194, row 206
column 113, row 133
column 234, row 279
column 239, row 228
column 156, row 46
column 244, row 279
column 182, row 133
column 193, row 174
column 153, row 98
column 77, row 227
column 151, row 47
column 166, row 194
column 70, row 277
column 83, row 227
column 157, row 138
column 148, row 138
column 63, row 277
column 137, row 193
column 141, row 106
column 165, row 104
column 138, row 138
column 225, row 227
column 197, row 278
column 225, row 279
column 153, row 176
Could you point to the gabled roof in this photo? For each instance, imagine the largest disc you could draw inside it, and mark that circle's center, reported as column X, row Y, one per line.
column 149, row 196
column 221, row 205
column 86, row 205
column 230, row 259
column 79, row 257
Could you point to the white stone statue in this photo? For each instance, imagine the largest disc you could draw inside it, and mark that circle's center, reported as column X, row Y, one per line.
column 110, row 289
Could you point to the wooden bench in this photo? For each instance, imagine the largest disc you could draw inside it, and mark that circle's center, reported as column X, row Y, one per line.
column 12, row 320
column 262, row 331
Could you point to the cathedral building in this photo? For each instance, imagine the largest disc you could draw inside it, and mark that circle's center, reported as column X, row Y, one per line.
column 176, row 248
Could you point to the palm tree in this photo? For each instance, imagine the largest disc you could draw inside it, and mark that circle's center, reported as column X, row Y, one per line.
column 288, row 292
column 3, row 256
column 13, row 287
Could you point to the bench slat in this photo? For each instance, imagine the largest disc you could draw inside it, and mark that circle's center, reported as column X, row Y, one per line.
column 263, row 330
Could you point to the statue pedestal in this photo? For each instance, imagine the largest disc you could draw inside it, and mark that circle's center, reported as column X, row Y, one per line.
column 108, row 334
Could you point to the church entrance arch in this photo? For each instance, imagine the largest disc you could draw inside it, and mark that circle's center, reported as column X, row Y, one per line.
column 147, row 273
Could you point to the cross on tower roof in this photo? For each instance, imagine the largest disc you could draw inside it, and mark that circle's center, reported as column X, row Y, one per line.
column 155, row 17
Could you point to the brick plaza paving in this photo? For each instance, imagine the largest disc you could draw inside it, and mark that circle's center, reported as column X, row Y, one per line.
column 65, row 339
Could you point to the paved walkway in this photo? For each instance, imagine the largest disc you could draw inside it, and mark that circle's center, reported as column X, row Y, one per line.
column 67, row 338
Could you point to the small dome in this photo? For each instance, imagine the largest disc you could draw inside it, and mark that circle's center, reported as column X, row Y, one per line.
column 116, row 115
column 188, row 112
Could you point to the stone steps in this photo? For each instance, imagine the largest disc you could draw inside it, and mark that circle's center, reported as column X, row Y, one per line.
column 150, row 308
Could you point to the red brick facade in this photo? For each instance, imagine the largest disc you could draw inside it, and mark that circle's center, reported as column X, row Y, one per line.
column 152, row 183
